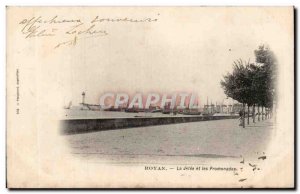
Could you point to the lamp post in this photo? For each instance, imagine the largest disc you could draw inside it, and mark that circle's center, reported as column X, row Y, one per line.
column 83, row 96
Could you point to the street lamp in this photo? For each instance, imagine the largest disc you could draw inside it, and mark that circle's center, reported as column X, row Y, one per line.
column 83, row 96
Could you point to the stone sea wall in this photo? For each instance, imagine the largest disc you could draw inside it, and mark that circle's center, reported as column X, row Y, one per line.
column 75, row 126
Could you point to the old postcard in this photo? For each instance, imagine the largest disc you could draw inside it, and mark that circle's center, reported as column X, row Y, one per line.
column 150, row 97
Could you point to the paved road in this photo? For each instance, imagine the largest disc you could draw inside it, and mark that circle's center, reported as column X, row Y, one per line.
column 208, row 140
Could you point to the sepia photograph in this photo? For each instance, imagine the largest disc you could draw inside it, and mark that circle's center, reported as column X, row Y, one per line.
column 150, row 97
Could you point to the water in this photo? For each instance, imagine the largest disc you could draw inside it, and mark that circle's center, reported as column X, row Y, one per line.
column 79, row 114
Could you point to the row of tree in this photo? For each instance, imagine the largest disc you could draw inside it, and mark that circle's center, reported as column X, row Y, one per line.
column 253, row 84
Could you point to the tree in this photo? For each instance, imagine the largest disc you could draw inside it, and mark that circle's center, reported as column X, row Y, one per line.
column 254, row 77
column 257, row 88
column 253, row 84
column 268, row 71
column 238, row 84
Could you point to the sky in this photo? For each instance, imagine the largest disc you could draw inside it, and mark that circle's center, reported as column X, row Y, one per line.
column 186, row 50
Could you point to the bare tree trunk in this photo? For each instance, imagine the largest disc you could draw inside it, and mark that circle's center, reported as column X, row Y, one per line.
column 248, row 114
column 243, row 115
column 272, row 112
column 262, row 113
column 258, row 113
column 253, row 113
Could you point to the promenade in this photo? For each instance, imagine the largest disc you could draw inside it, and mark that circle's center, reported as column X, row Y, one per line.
column 200, row 141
